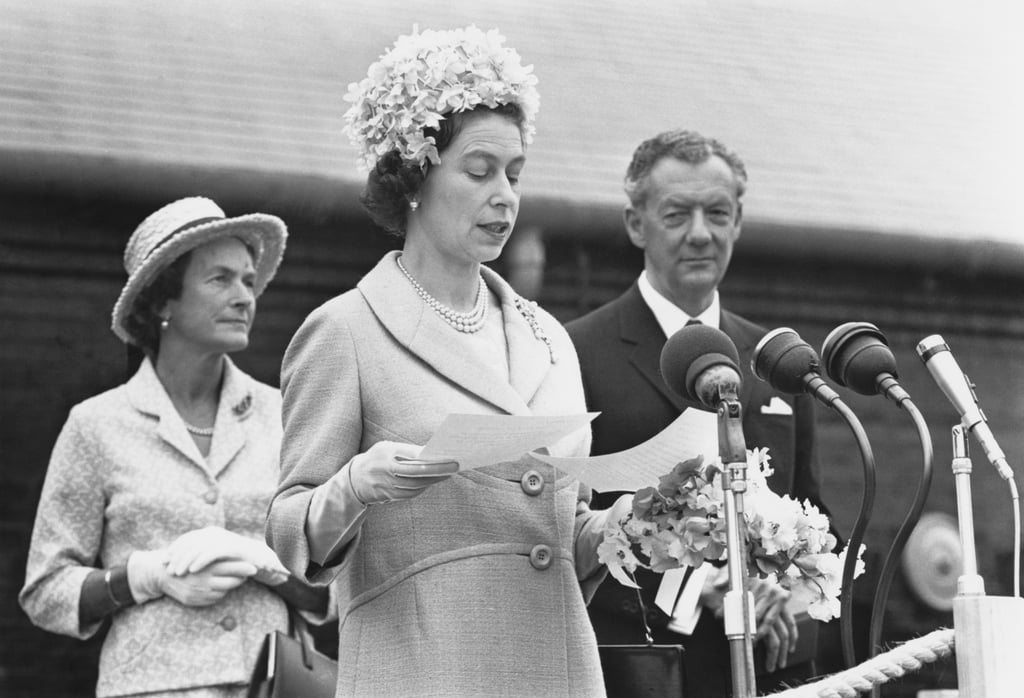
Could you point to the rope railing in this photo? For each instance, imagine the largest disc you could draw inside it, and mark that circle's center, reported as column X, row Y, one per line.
column 901, row 660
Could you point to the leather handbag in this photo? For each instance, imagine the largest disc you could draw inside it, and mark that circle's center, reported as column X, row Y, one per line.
column 632, row 671
column 643, row 670
column 289, row 666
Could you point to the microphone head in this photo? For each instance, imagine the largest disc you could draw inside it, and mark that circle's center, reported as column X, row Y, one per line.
column 855, row 354
column 931, row 345
column 782, row 359
column 689, row 354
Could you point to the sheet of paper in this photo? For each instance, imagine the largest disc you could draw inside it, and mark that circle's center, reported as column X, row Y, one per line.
column 693, row 432
column 483, row 439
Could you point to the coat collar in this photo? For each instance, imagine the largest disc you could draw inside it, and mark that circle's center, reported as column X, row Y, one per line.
column 147, row 394
column 413, row 325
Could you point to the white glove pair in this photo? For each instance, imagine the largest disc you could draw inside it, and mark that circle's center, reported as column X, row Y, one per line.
column 202, row 566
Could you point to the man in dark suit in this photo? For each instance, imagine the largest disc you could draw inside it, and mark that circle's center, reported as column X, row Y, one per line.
column 684, row 212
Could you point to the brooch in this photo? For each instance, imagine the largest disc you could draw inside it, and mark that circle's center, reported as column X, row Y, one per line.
column 243, row 406
column 528, row 310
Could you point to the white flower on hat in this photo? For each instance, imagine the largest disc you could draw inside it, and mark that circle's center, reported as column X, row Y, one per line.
column 427, row 75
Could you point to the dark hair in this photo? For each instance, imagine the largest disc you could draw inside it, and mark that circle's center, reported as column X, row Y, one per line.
column 143, row 320
column 395, row 182
column 688, row 146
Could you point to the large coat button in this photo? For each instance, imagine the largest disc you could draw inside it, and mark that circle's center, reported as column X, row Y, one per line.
column 532, row 483
column 210, row 497
column 540, row 557
column 228, row 623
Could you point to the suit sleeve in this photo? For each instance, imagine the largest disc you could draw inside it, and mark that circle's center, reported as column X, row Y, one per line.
column 67, row 533
column 322, row 418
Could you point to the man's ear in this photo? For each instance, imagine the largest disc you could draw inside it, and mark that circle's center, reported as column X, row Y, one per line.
column 634, row 227
column 739, row 219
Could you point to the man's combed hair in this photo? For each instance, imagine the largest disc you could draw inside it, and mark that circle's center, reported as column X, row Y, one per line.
column 688, row 146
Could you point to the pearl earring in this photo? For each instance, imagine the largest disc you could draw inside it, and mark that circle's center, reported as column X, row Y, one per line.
column 414, row 204
column 164, row 324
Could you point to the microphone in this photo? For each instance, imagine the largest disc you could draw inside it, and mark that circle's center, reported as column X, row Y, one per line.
column 701, row 365
column 789, row 365
column 939, row 361
column 857, row 356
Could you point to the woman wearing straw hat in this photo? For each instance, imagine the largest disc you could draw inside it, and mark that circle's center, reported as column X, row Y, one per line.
column 455, row 583
column 153, row 507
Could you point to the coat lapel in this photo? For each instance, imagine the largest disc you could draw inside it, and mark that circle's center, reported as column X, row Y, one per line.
column 233, row 409
column 745, row 343
column 420, row 330
column 147, row 395
column 639, row 328
column 528, row 357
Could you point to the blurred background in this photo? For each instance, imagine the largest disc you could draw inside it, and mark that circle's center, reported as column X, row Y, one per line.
column 882, row 142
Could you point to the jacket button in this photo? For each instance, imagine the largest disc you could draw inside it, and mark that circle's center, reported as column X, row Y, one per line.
column 532, row 483
column 211, row 496
column 228, row 623
column 540, row 557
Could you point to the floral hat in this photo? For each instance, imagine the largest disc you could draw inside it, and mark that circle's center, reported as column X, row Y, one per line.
column 181, row 226
column 427, row 75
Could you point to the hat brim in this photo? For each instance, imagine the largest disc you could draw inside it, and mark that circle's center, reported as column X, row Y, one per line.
column 264, row 233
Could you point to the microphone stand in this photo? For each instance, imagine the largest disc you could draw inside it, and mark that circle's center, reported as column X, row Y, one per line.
column 857, row 535
column 738, row 606
column 889, row 567
column 970, row 583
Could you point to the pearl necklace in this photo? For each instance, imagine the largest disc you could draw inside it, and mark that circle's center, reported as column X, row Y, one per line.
column 199, row 431
column 470, row 322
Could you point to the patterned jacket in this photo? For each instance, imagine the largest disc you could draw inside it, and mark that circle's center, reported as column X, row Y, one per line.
column 125, row 475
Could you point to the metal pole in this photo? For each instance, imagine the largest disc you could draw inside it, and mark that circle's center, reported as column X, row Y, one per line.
column 970, row 583
column 738, row 606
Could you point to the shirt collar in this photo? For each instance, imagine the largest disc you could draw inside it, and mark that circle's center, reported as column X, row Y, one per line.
column 671, row 317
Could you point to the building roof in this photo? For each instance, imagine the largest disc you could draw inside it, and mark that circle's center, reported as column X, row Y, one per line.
column 857, row 121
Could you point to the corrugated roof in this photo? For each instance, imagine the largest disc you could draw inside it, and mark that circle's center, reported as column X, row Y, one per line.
column 894, row 119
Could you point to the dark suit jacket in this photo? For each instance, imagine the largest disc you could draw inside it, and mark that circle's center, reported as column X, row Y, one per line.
column 619, row 347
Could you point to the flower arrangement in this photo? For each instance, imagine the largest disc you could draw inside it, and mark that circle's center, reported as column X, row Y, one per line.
column 682, row 522
column 427, row 75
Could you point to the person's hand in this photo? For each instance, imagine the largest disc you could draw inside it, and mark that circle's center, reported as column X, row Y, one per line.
column 149, row 579
column 192, row 552
column 208, row 586
column 390, row 471
column 775, row 623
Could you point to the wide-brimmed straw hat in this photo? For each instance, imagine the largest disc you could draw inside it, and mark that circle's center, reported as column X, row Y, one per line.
column 182, row 226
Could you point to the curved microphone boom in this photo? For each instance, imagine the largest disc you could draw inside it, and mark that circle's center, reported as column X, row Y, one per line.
column 790, row 365
column 857, row 356
column 939, row 361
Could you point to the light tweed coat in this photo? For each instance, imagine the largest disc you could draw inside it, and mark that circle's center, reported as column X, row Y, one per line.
column 125, row 475
column 437, row 594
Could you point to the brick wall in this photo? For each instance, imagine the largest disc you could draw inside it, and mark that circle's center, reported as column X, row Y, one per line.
column 60, row 272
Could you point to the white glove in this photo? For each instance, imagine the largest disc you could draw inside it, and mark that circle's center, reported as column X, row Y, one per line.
column 390, row 471
column 210, row 585
column 613, row 515
column 146, row 568
column 194, row 551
